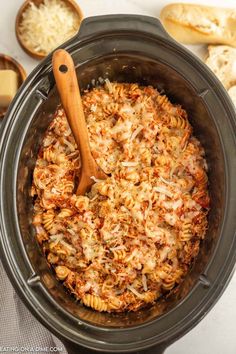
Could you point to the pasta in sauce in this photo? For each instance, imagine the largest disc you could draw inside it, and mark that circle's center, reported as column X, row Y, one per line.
column 134, row 236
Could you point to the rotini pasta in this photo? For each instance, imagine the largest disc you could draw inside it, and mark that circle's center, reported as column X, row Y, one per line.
column 95, row 302
column 47, row 219
column 65, row 213
column 163, row 101
column 177, row 122
column 81, row 203
column 52, row 258
column 132, row 238
column 51, row 156
column 169, row 282
column 111, row 108
column 186, row 232
column 119, row 254
column 62, row 272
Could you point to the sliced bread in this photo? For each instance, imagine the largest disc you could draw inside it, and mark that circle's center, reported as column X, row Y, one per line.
column 222, row 61
column 191, row 23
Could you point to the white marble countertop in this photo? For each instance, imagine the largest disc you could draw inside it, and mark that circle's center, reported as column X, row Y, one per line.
column 215, row 334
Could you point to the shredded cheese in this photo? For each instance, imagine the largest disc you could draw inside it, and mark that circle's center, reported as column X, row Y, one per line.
column 129, row 163
column 97, row 180
column 108, row 85
column 45, row 27
column 134, row 291
column 136, row 132
column 144, row 282
column 163, row 190
column 135, row 234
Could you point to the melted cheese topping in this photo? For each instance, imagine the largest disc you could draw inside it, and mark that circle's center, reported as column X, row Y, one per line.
column 133, row 237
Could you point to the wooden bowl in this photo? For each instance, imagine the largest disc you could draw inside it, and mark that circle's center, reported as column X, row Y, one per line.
column 40, row 55
column 8, row 63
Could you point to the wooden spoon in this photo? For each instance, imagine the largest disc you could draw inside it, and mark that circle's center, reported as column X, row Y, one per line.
column 68, row 87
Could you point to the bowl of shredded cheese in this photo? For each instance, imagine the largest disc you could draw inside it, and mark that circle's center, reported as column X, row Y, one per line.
column 43, row 25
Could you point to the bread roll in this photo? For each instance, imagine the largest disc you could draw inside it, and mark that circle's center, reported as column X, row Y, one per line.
column 222, row 61
column 190, row 24
column 232, row 93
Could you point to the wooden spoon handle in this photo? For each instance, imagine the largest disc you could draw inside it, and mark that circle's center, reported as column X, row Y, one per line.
column 68, row 87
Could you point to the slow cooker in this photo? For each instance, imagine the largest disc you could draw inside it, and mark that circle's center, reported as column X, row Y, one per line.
column 123, row 48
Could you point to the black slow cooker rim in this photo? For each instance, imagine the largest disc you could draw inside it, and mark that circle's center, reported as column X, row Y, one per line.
column 24, row 289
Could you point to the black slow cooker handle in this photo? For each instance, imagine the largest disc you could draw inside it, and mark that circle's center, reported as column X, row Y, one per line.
column 116, row 23
column 75, row 349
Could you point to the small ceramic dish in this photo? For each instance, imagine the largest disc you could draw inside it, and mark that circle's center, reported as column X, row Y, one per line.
column 8, row 63
column 36, row 54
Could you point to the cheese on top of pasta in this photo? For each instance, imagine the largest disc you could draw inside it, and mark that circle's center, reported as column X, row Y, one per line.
column 134, row 236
